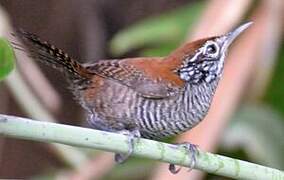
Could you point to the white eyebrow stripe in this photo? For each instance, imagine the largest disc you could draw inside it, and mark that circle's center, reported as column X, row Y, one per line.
column 193, row 59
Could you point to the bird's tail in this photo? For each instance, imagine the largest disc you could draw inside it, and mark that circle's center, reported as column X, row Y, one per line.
column 49, row 54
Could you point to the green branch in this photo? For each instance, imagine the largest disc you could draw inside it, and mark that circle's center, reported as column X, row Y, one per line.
column 23, row 128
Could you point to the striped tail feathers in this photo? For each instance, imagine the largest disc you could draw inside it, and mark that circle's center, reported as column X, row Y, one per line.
column 49, row 54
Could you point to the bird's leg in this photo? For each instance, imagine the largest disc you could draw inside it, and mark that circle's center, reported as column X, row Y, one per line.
column 120, row 158
column 192, row 151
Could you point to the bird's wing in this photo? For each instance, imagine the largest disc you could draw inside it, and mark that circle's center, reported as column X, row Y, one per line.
column 147, row 81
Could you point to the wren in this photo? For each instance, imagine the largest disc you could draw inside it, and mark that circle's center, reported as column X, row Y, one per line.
column 153, row 97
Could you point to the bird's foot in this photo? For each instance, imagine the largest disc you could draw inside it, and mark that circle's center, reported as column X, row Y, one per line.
column 192, row 150
column 119, row 157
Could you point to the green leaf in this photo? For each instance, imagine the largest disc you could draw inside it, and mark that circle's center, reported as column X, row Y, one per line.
column 7, row 58
column 167, row 28
column 274, row 94
column 259, row 130
column 162, row 50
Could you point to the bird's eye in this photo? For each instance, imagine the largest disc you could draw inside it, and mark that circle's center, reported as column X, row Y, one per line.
column 211, row 49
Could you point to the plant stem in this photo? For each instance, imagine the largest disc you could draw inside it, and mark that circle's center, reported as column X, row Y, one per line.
column 23, row 128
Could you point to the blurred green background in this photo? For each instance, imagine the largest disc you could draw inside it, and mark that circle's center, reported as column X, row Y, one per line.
column 92, row 30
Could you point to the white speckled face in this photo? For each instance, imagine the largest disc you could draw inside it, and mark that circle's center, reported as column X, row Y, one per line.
column 205, row 65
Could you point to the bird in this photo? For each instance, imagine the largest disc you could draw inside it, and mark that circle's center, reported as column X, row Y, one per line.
column 143, row 97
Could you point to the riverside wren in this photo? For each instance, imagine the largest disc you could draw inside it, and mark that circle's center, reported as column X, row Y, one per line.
column 153, row 97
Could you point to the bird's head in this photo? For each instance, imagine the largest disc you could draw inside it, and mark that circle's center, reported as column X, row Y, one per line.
column 203, row 60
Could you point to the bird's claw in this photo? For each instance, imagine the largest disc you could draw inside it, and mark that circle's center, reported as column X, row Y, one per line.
column 173, row 169
column 192, row 151
column 119, row 157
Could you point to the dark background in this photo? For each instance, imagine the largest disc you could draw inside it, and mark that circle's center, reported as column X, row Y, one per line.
column 84, row 30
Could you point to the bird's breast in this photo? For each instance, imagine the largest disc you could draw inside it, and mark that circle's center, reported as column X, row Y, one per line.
column 113, row 104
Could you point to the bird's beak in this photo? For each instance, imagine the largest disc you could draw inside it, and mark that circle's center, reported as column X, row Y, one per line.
column 232, row 35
